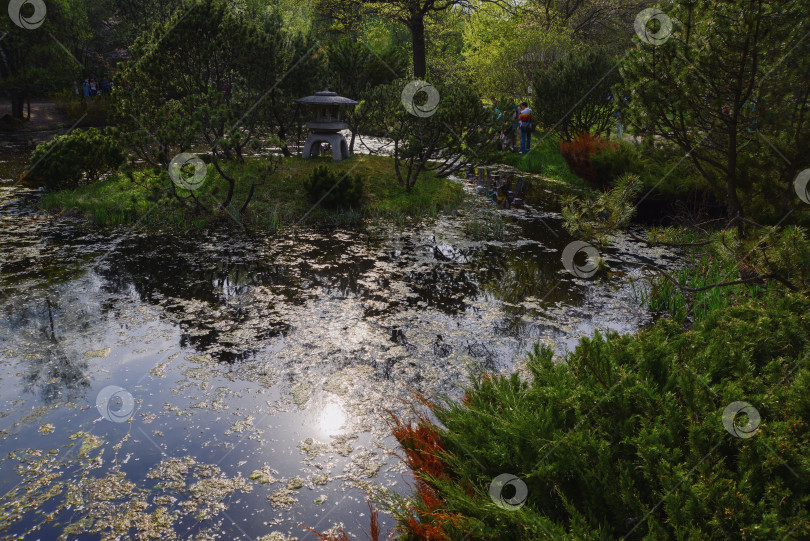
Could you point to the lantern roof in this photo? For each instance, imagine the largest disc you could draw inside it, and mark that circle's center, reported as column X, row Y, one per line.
column 326, row 97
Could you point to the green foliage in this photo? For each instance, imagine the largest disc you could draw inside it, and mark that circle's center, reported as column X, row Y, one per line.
column 730, row 82
column 333, row 190
column 545, row 159
column 78, row 157
column 36, row 60
column 501, row 51
column 595, row 219
column 615, row 159
column 624, row 438
column 667, row 298
column 445, row 31
column 599, row 161
column 133, row 18
column 212, row 74
column 460, row 128
column 559, row 103
column 777, row 258
column 145, row 199
column 91, row 111
column 669, row 177
column 354, row 67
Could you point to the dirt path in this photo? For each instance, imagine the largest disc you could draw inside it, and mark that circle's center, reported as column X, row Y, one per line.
column 44, row 116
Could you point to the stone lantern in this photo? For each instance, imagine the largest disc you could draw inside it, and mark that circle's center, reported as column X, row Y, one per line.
column 326, row 126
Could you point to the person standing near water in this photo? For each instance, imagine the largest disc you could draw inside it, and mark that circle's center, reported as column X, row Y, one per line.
column 526, row 127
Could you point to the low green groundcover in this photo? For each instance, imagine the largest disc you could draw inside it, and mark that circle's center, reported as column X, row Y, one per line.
column 667, row 434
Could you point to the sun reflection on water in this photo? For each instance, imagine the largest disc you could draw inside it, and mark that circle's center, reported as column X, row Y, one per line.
column 333, row 418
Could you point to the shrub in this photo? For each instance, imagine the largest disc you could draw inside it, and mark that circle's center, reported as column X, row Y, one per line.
column 595, row 219
column 627, row 438
column 558, row 101
column 614, row 159
column 334, row 191
column 578, row 152
column 78, row 157
column 779, row 256
column 598, row 161
column 461, row 130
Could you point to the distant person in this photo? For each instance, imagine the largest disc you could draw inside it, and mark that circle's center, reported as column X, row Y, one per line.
column 86, row 88
column 93, row 87
column 76, row 87
column 526, row 125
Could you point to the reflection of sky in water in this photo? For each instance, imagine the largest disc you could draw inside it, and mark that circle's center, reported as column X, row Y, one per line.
column 276, row 355
column 333, row 418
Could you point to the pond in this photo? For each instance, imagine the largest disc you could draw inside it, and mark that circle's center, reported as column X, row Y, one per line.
column 235, row 385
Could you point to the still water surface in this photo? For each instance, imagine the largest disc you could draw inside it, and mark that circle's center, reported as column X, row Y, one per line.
column 233, row 385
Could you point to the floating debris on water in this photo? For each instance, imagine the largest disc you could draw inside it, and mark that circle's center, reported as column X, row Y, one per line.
column 245, row 351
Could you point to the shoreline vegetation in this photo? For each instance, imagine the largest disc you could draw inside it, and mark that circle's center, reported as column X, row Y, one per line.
column 693, row 427
column 281, row 202
column 558, row 455
column 544, row 159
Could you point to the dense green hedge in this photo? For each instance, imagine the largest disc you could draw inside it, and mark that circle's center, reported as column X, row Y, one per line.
column 80, row 157
column 626, row 436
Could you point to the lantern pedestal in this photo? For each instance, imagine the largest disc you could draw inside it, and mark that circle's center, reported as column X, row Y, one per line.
column 340, row 148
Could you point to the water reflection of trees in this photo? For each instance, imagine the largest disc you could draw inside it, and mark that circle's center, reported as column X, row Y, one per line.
column 45, row 322
column 513, row 277
column 226, row 296
column 217, row 293
column 443, row 287
column 229, row 297
column 338, row 278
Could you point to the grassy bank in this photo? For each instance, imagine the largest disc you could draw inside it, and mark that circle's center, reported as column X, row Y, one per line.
column 281, row 202
column 544, row 159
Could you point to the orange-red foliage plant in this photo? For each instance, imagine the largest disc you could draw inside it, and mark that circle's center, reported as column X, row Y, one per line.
column 578, row 154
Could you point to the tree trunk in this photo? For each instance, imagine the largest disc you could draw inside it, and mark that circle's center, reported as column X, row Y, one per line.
column 396, row 162
column 18, row 105
column 354, row 136
column 418, row 42
column 231, row 184
column 282, row 137
column 248, row 198
column 733, row 202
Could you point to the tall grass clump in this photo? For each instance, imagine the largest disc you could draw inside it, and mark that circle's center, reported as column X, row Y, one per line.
column 484, row 224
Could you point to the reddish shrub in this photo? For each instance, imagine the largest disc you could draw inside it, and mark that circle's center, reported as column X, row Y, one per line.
column 421, row 444
column 422, row 447
column 578, row 154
